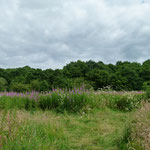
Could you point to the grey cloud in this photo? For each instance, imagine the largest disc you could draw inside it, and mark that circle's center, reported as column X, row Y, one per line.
column 49, row 34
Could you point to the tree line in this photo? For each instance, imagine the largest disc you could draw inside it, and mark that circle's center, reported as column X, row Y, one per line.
column 94, row 75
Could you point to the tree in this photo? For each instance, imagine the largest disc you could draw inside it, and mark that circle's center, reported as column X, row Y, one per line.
column 121, row 76
column 44, row 86
column 75, row 69
column 145, row 71
column 118, row 82
column 20, row 87
column 38, row 85
column 99, row 78
column 3, row 84
column 35, row 85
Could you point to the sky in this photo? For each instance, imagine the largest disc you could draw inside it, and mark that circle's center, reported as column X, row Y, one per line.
column 51, row 33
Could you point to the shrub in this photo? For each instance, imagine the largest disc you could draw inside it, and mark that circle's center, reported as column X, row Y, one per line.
column 20, row 87
column 3, row 84
column 145, row 85
column 148, row 92
column 125, row 102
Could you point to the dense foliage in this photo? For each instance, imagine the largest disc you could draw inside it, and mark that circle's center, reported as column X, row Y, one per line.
column 75, row 100
column 95, row 75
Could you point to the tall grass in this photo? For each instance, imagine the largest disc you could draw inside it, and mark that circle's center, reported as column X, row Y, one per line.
column 137, row 134
column 17, row 132
column 121, row 101
column 72, row 101
column 60, row 100
column 140, row 136
column 22, row 134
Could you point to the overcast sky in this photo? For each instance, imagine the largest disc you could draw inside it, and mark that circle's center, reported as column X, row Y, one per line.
column 50, row 33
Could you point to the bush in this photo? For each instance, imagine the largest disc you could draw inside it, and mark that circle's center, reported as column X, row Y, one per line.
column 148, row 92
column 145, row 85
column 20, row 87
column 125, row 102
column 3, row 84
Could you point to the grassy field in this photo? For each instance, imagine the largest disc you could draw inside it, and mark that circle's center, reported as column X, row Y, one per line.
column 106, row 121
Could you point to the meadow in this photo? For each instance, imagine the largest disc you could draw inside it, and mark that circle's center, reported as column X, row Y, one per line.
column 74, row 119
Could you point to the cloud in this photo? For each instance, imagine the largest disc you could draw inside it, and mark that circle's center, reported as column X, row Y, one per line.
column 49, row 34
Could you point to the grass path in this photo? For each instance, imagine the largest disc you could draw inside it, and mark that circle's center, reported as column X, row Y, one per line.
column 95, row 131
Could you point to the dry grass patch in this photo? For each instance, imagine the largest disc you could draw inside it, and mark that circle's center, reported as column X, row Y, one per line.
column 140, row 136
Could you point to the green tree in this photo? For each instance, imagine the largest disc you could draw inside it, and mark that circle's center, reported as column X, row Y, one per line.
column 35, row 85
column 44, row 86
column 145, row 71
column 3, row 84
column 118, row 82
column 98, row 78
column 20, row 87
column 75, row 69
